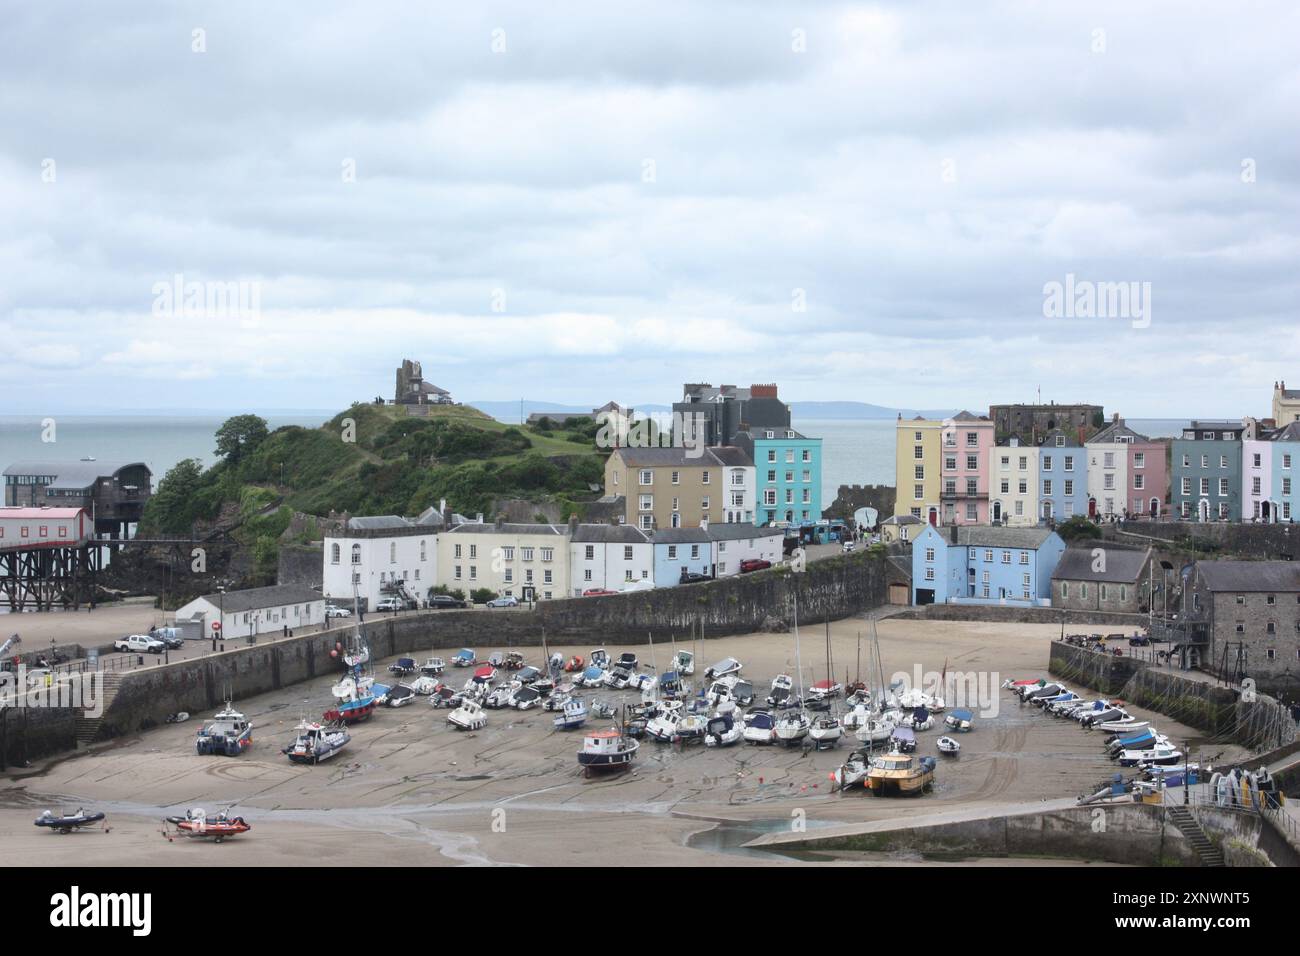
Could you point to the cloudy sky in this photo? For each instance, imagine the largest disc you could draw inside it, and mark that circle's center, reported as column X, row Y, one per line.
column 575, row 202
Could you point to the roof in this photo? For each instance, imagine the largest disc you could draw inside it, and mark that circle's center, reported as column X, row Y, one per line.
column 377, row 523
column 1122, row 565
column 965, row 416
column 1249, row 575
column 779, row 432
column 430, row 517
column 1115, row 431
column 475, row 527
column 989, row 536
column 609, row 534
column 731, row 456
column 41, row 512
column 680, row 536
column 902, row 519
column 741, row 531
column 253, row 599
column 661, row 457
column 74, row 475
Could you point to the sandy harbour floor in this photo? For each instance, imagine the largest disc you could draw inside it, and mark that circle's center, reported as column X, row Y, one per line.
column 410, row 790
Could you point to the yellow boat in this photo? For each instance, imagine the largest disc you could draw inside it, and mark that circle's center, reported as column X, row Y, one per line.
column 902, row 774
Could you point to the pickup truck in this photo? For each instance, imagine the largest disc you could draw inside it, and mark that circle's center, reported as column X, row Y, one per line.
column 139, row 643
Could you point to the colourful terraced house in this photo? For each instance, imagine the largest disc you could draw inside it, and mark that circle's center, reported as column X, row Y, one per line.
column 965, row 443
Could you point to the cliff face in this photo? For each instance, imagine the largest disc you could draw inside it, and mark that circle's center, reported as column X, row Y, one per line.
column 852, row 497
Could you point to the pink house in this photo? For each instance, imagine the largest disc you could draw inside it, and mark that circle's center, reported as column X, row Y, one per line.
column 1148, row 478
column 964, row 490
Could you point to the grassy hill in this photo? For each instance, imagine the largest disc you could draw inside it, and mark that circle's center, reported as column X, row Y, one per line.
column 375, row 459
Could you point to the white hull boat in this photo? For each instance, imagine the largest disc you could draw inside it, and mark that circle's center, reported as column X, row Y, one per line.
column 468, row 716
column 948, row 746
column 792, row 728
column 826, row 732
column 875, row 731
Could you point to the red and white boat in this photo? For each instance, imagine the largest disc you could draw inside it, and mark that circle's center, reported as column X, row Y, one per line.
column 196, row 825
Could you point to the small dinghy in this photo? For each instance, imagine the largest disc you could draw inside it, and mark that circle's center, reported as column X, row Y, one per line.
column 948, row 746
column 468, row 716
column 606, row 750
column 67, row 822
column 196, row 825
column 960, row 719
column 574, row 714
column 316, row 742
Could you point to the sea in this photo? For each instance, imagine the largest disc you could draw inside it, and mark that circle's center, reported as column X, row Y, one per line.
column 854, row 451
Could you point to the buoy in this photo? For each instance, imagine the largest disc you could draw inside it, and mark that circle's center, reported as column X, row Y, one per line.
column 334, row 653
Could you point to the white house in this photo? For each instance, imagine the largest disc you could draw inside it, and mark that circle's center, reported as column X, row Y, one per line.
column 608, row 556
column 382, row 557
column 256, row 610
column 739, row 496
column 506, row 558
column 734, row 543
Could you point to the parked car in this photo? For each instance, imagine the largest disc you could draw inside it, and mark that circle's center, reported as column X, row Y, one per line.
column 597, row 592
column 437, row 601
column 169, row 636
column 333, row 610
column 848, row 546
column 139, row 643
column 390, row 604
column 503, row 601
column 694, row 577
column 754, row 564
column 1139, row 640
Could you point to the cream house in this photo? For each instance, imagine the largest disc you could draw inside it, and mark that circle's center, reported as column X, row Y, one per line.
column 680, row 487
column 1013, row 484
column 506, row 558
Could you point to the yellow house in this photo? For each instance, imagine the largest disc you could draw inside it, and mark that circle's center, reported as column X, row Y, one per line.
column 918, row 444
column 506, row 558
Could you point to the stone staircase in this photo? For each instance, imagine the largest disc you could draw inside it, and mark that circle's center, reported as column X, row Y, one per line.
column 1206, row 852
column 87, row 728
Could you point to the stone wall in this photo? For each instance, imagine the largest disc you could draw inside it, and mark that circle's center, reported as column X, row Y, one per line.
column 830, row 589
column 302, row 564
column 1215, row 711
column 1214, row 539
column 850, row 498
column 1074, row 620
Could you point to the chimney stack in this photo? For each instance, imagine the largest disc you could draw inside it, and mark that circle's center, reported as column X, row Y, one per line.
column 500, row 520
column 573, row 523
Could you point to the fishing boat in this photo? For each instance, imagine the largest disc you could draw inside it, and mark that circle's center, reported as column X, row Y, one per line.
column 760, row 727
column 852, row 774
column 903, row 739
column 825, row 732
column 684, row 662
column 425, row 685
column 901, row 773
column 316, row 742
column 662, row 720
column 196, row 825
column 960, row 719
column 355, row 703
column 433, row 667
column 464, row 658
column 670, row 685
column 604, row 750
column 227, row 734
column 600, row 658
column 67, row 822
column 719, row 691
column 724, row 729
column 402, row 666
column 573, row 714
column 948, row 746
column 468, row 716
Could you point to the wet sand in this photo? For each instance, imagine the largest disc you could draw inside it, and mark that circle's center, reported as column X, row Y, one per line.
column 410, row 789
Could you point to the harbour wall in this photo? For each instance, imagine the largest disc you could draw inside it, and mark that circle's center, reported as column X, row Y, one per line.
column 830, row 589
column 1218, row 712
column 1007, row 614
column 1129, row 834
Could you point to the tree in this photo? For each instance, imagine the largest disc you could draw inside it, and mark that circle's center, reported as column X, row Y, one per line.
column 240, row 435
column 176, row 502
column 1078, row 528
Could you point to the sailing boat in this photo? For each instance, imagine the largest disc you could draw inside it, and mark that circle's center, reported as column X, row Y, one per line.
column 826, row 729
column 792, row 727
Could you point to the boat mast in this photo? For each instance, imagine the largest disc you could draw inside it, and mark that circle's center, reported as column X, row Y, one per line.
column 798, row 664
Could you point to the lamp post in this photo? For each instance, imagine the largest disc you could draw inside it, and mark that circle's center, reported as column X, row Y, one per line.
column 1187, row 774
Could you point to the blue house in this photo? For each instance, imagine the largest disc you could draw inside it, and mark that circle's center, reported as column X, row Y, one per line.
column 787, row 475
column 976, row 564
column 679, row 551
column 1062, row 477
